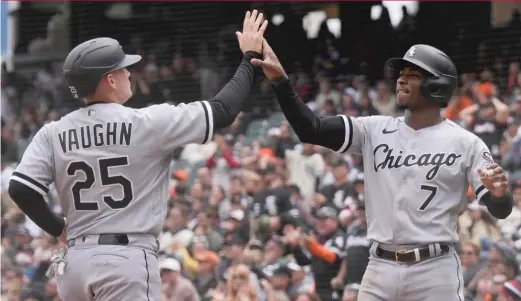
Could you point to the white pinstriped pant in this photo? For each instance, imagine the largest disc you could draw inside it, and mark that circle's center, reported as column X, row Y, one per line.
column 435, row 279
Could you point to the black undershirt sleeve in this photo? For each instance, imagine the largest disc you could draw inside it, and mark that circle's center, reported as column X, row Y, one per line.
column 34, row 206
column 498, row 207
column 227, row 104
column 326, row 131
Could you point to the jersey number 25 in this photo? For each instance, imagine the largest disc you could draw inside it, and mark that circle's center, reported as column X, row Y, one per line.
column 106, row 180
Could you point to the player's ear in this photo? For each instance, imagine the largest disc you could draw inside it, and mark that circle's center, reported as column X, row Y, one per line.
column 110, row 79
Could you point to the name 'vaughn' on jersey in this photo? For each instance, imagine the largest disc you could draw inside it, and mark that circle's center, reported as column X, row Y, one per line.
column 416, row 181
column 110, row 163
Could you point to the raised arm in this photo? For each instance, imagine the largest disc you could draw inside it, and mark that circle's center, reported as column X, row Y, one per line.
column 197, row 121
column 333, row 132
column 226, row 105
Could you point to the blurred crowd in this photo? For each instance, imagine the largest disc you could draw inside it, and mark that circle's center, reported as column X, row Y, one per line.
column 256, row 215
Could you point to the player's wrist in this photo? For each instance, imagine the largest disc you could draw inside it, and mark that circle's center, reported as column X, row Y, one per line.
column 499, row 207
column 280, row 81
column 249, row 55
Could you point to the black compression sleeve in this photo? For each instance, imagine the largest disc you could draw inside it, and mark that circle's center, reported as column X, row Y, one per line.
column 33, row 204
column 324, row 131
column 498, row 207
column 227, row 104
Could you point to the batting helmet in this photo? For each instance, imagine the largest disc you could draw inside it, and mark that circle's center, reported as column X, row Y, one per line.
column 88, row 62
column 443, row 77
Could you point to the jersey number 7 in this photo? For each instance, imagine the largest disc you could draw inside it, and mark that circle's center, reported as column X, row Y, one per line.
column 432, row 192
column 106, row 180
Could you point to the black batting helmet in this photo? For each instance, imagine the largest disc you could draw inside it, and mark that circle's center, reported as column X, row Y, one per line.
column 88, row 62
column 443, row 77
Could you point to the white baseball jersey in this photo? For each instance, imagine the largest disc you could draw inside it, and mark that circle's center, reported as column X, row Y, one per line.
column 110, row 163
column 416, row 181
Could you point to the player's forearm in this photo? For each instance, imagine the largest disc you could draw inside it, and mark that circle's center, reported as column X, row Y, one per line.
column 34, row 206
column 227, row 104
column 499, row 207
column 308, row 127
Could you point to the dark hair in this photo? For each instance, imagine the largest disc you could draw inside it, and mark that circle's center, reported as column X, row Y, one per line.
column 236, row 177
column 181, row 189
column 184, row 207
column 210, row 212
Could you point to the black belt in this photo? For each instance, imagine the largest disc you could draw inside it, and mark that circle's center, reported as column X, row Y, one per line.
column 104, row 239
column 409, row 256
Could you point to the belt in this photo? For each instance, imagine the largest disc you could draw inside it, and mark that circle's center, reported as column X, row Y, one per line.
column 105, row 239
column 411, row 256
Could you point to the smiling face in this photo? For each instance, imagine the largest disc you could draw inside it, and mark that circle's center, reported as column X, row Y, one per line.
column 408, row 89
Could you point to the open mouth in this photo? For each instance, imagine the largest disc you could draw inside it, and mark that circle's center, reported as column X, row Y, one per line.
column 402, row 90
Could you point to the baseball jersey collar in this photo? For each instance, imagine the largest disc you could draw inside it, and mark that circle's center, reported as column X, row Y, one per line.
column 88, row 104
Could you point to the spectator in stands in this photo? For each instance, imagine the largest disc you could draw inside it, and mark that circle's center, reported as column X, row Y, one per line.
column 284, row 141
column 457, row 103
column 326, row 250
column 204, row 228
column 272, row 199
column 206, row 278
column 502, row 263
column 223, row 161
column 511, row 290
column 487, row 118
column 351, row 292
column 237, row 199
column 357, row 249
column 305, row 167
column 325, row 93
column 273, row 255
column 301, row 280
column 477, row 226
column 176, row 286
column 470, row 261
column 240, row 286
column 232, row 252
column 385, row 101
column 511, row 226
column 280, row 281
column 308, row 296
column 177, row 224
column 205, row 182
column 337, row 192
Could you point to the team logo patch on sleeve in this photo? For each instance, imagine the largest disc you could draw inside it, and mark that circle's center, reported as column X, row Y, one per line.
column 488, row 157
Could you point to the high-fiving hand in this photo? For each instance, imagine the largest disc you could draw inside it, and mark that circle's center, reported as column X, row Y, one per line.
column 252, row 35
column 270, row 65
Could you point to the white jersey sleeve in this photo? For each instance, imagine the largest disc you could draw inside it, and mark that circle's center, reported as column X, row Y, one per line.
column 175, row 126
column 358, row 130
column 479, row 157
column 36, row 168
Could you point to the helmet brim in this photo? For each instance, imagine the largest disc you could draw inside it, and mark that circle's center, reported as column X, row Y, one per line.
column 398, row 64
column 129, row 60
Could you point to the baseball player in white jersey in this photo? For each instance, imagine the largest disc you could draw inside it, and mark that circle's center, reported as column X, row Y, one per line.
column 110, row 165
column 417, row 172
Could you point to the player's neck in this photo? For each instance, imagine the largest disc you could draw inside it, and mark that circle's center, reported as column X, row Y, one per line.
column 103, row 97
column 421, row 119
